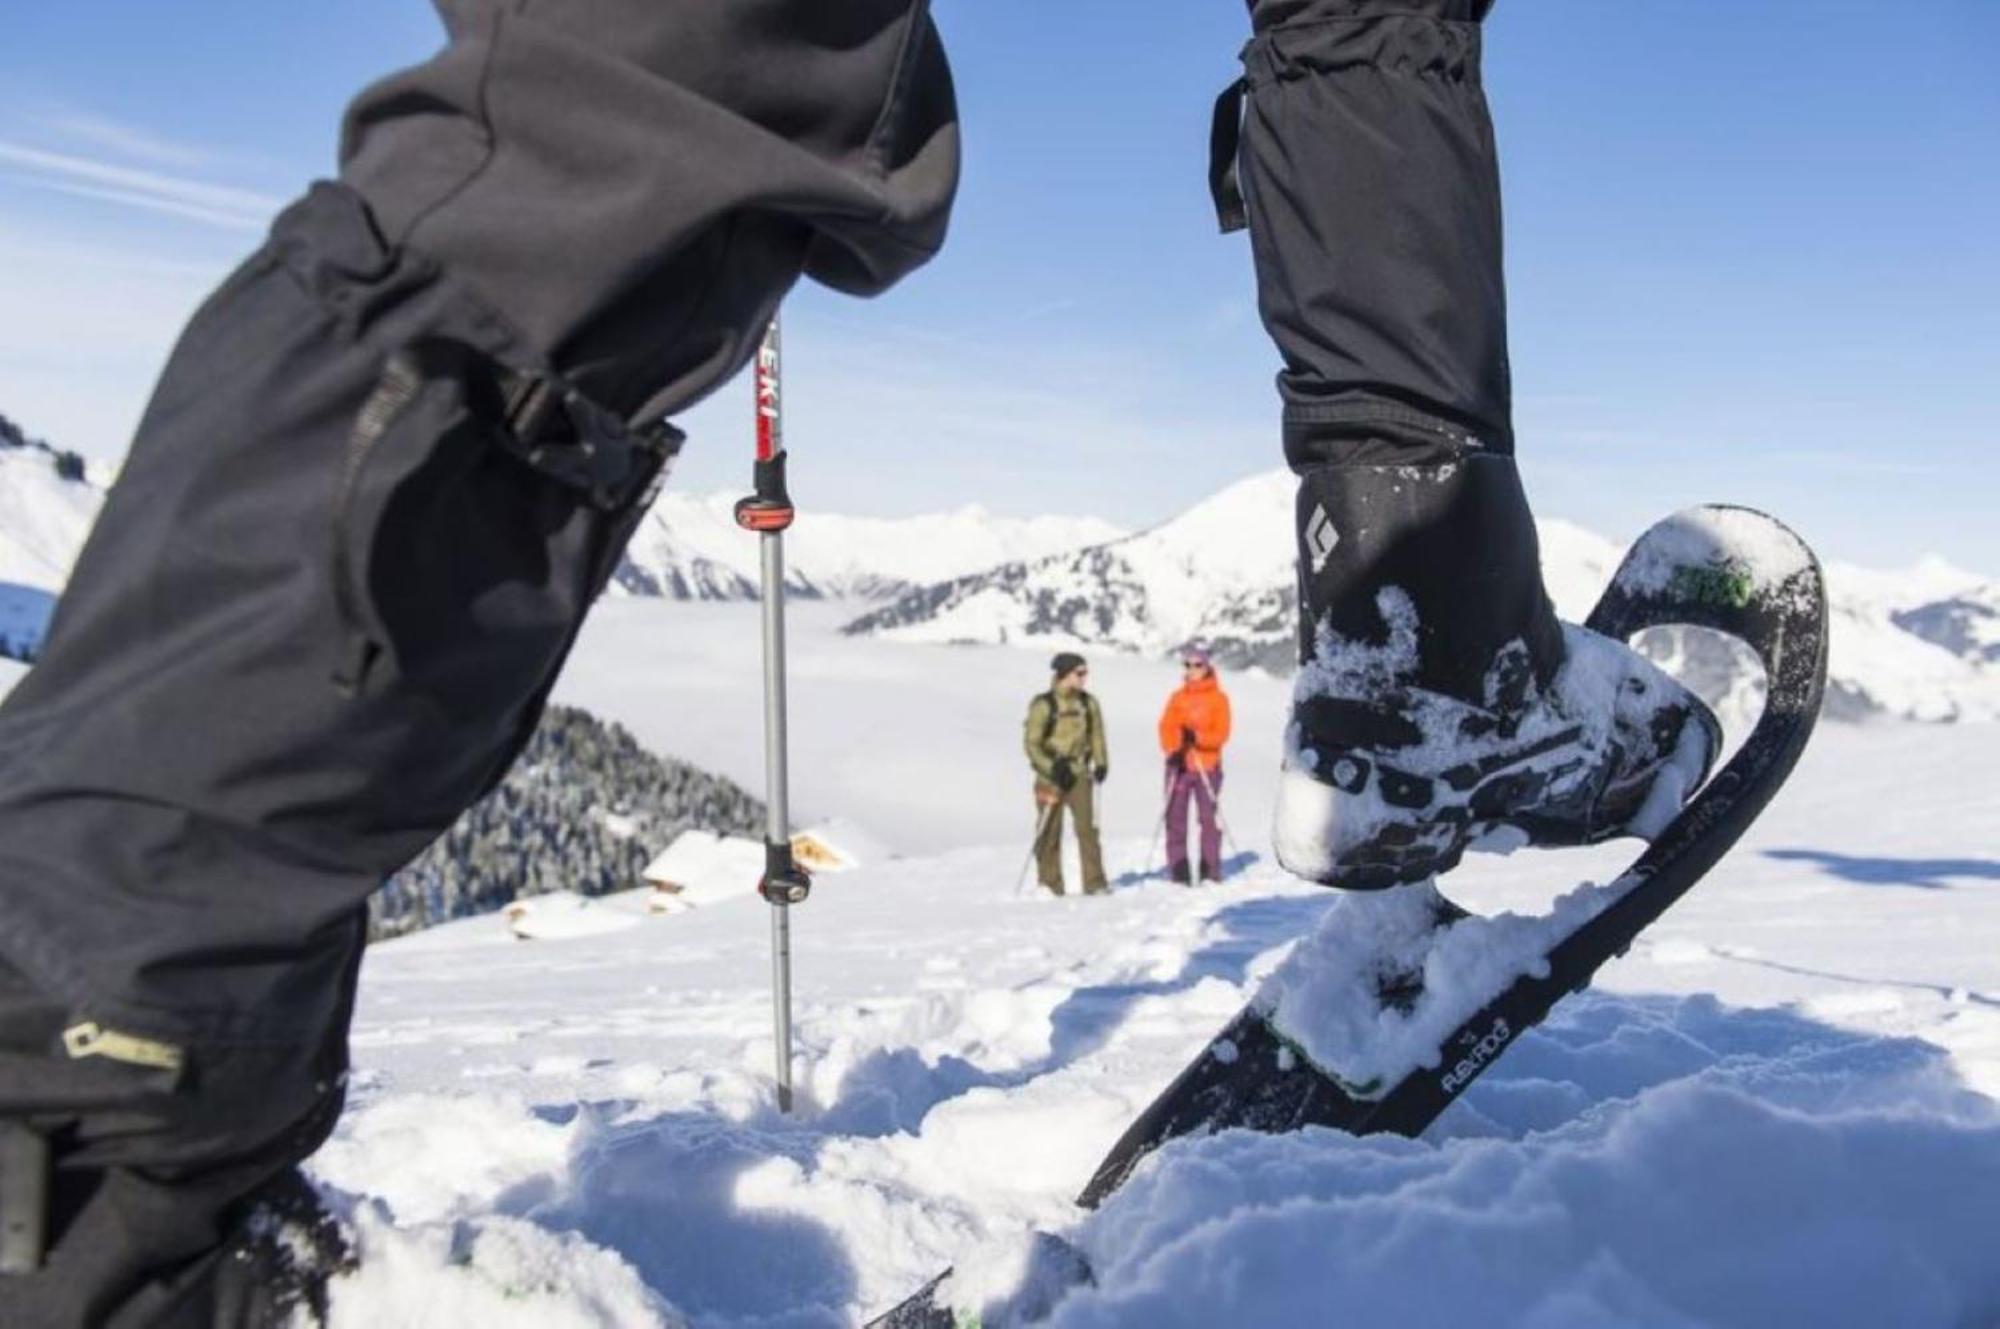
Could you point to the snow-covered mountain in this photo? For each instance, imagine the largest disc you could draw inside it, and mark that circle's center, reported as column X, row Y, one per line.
column 690, row 548
column 46, row 507
column 1920, row 644
column 47, row 504
column 1220, row 572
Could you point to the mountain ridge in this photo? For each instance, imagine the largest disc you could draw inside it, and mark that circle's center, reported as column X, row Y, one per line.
column 1923, row 644
column 1920, row 643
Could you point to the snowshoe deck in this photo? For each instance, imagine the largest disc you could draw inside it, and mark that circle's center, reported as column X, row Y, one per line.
column 1732, row 570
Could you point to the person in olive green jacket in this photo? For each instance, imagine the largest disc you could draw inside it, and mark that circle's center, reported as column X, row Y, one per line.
column 1064, row 738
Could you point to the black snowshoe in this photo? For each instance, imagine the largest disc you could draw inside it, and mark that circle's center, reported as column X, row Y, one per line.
column 1281, row 1064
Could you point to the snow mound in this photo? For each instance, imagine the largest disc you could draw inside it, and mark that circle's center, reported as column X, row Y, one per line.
column 701, row 867
column 1758, row 1180
column 565, row 914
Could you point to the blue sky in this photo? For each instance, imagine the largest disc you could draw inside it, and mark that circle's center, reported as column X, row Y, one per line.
column 1751, row 255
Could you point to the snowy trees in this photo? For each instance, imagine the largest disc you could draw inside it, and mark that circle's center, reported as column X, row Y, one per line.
column 583, row 810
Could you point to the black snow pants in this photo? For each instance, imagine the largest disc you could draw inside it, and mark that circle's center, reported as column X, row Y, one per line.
column 389, row 464
column 1368, row 177
column 394, row 458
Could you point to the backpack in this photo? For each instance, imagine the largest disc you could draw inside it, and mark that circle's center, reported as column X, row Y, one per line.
column 1049, row 722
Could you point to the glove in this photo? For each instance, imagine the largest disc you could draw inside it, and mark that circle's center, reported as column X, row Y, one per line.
column 1103, row 771
column 1063, row 775
column 1177, row 761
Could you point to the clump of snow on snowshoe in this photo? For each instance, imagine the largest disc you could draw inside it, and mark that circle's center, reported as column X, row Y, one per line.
column 1375, row 990
column 1589, row 749
column 1718, row 541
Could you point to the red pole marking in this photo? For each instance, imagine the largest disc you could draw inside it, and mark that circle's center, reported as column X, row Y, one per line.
column 770, row 428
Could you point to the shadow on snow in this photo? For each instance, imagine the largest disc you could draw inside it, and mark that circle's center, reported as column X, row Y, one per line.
column 1931, row 874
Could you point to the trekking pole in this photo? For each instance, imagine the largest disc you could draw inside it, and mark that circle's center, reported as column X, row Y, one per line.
column 1215, row 801
column 1160, row 826
column 1041, row 824
column 768, row 511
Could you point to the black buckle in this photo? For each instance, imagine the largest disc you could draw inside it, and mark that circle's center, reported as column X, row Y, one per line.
column 577, row 443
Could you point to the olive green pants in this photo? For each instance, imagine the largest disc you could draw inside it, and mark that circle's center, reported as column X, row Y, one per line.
column 1080, row 800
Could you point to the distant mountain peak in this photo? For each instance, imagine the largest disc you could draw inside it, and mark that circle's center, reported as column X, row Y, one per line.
column 1922, row 644
column 689, row 547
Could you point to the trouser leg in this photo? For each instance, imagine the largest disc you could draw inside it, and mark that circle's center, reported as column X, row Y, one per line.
column 1048, row 846
column 390, row 464
column 1371, row 181
column 1368, row 167
column 1208, row 790
column 1082, row 804
column 1177, row 824
column 156, row 1165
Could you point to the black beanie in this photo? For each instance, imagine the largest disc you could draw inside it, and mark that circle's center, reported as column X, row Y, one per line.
column 1066, row 662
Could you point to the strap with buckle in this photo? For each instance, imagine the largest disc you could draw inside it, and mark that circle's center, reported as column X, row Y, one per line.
column 572, row 440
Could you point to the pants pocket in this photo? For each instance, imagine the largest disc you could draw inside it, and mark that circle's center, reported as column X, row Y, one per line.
column 480, row 511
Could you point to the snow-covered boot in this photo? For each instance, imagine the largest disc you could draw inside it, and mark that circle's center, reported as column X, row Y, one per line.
column 1439, row 701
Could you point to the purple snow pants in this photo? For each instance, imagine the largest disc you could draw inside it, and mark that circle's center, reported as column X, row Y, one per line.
column 1203, row 788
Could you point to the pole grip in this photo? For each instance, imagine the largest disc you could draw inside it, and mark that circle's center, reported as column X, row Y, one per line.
column 770, row 408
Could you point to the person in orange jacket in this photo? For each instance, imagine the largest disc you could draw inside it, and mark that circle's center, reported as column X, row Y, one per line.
column 1193, row 729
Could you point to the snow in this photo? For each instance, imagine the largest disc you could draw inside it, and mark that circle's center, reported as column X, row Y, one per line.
column 1315, row 826
column 1775, row 1109
column 705, row 868
column 1223, row 572
column 565, row 914
column 1177, row 582
column 920, row 744
column 1725, row 537
column 696, row 537
column 1322, row 999
column 43, row 519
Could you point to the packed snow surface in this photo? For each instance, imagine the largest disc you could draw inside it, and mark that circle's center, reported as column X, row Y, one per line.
column 1775, row 1110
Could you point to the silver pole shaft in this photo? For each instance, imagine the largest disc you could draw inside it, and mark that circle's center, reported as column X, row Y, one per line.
column 777, row 801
